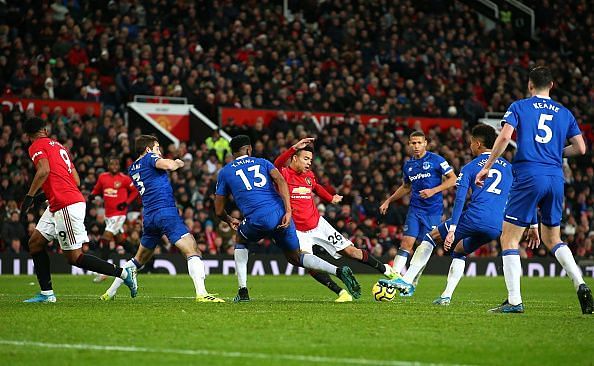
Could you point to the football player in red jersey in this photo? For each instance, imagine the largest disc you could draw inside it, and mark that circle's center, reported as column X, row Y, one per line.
column 312, row 229
column 118, row 193
column 64, row 217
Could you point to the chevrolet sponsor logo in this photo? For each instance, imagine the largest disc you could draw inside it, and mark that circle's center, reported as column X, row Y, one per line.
column 301, row 190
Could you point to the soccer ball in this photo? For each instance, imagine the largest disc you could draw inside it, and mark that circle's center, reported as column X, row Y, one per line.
column 383, row 293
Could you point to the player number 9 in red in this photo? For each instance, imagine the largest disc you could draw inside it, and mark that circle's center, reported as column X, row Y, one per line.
column 66, row 159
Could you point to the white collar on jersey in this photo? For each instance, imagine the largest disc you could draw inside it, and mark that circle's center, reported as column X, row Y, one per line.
column 241, row 157
column 542, row 96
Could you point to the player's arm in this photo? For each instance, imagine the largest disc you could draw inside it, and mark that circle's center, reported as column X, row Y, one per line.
column 97, row 190
column 282, row 159
column 168, row 164
column 577, row 146
column 132, row 193
column 220, row 202
column 42, row 172
column 447, row 183
column 75, row 176
column 463, row 184
column 325, row 195
column 283, row 190
column 498, row 148
column 402, row 191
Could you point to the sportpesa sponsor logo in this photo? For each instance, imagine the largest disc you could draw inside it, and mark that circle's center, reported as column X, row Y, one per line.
column 419, row 176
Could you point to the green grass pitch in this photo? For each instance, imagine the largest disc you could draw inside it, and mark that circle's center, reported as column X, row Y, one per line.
column 290, row 321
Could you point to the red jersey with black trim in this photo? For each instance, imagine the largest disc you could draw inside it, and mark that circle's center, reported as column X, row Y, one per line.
column 60, row 188
column 115, row 189
column 302, row 186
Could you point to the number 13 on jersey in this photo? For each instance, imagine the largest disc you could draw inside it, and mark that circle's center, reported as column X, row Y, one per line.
column 259, row 179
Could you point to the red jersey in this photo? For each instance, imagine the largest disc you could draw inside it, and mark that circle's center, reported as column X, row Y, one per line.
column 60, row 188
column 301, row 189
column 115, row 189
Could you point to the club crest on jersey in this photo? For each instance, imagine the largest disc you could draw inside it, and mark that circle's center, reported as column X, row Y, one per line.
column 308, row 180
column 410, row 169
column 426, row 165
column 117, row 184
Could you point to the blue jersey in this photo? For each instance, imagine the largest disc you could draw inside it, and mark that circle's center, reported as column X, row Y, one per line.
column 248, row 180
column 152, row 184
column 425, row 173
column 486, row 204
column 542, row 126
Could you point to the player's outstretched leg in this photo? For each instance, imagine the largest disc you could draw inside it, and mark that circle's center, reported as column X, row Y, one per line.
column 91, row 263
column 417, row 264
column 104, row 253
column 37, row 244
column 363, row 256
column 241, row 255
column 315, row 263
column 454, row 275
column 324, row 279
column 117, row 282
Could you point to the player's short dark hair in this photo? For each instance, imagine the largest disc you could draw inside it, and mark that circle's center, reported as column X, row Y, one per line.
column 307, row 148
column 144, row 141
column 417, row 134
column 541, row 77
column 486, row 134
column 113, row 157
column 238, row 142
column 33, row 125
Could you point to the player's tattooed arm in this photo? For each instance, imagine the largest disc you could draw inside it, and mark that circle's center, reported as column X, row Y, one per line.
column 283, row 190
column 402, row 191
column 220, row 202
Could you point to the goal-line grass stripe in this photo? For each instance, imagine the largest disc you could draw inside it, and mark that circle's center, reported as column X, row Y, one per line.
column 213, row 353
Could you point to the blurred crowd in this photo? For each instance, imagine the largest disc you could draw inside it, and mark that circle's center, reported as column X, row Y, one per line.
column 397, row 58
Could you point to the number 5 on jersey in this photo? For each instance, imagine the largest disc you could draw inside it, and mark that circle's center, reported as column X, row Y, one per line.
column 547, row 130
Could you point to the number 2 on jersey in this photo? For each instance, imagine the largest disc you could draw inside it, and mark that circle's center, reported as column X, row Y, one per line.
column 136, row 178
column 547, row 130
column 493, row 187
column 259, row 178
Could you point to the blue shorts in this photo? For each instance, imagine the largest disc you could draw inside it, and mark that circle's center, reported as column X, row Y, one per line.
column 254, row 228
column 417, row 224
column 473, row 237
column 527, row 193
column 164, row 222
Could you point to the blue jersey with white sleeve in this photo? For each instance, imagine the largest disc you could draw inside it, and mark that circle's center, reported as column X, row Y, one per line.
column 248, row 180
column 152, row 184
column 423, row 173
column 487, row 204
column 542, row 126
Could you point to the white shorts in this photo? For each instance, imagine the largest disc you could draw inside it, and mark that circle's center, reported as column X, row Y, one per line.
column 66, row 225
column 115, row 224
column 325, row 236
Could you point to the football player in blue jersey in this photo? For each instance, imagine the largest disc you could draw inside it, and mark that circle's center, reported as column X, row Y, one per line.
column 266, row 211
column 423, row 179
column 543, row 126
column 160, row 215
column 478, row 224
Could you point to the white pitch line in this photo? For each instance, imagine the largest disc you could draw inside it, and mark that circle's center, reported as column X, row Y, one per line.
column 223, row 354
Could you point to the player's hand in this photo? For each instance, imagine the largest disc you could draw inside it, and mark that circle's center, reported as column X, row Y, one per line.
column 480, row 177
column 384, row 207
column 122, row 206
column 180, row 163
column 449, row 239
column 427, row 193
column 303, row 143
column 234, row 223
column 533, row 237
column 286, row 221
column 336, row 199
column 26, row 205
